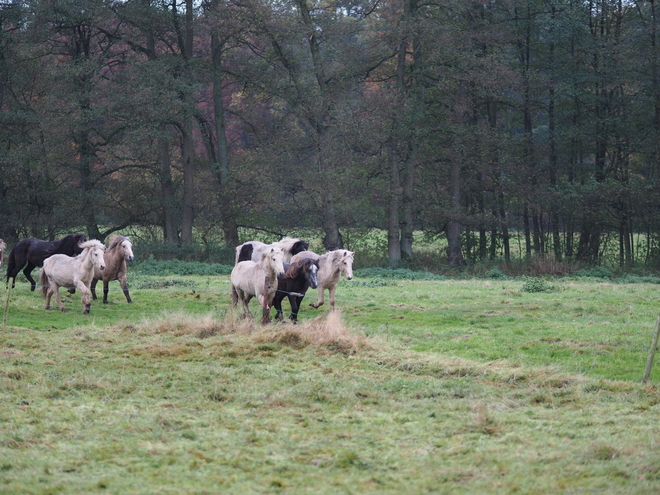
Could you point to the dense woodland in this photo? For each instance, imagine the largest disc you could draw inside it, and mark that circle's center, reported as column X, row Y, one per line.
column 462, row 118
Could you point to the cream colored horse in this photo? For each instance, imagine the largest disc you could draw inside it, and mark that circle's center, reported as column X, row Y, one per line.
column 61, row 270
column 257, row 279
column 331, row 266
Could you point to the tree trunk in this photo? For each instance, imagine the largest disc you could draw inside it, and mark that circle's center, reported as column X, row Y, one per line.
column 453, row 227
column 167, row 191
column 393, row 228
column 187, row 149
column 221, row 162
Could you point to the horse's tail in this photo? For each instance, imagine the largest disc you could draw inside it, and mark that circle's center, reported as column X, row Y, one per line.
column 15, row 261
column 43, row 281
column 234, row 296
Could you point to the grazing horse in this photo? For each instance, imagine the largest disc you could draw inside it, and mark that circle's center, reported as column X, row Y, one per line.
column 331, row 265
column 61, row 270
column 299, row 276
column 118, row 252
column 3, row 246
column 257, row 279
column 31, row 253
column 252, row 250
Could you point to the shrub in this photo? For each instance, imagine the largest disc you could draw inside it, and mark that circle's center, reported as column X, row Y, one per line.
column 496, row 273
column 395, row 274
column 177, row 267
column 537, row 285
column 596, row 272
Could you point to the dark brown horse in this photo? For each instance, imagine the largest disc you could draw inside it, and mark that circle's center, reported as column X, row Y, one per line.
column 119, row 251
column 298, row 277
column 31, row 253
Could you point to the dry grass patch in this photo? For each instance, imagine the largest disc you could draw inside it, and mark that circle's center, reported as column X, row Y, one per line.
column 326, row 331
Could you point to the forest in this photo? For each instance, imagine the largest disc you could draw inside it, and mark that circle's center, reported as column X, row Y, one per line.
column 468, row 120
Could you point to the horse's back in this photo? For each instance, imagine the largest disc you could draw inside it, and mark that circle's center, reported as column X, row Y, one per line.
column 241, row 274
column 305, row 254
column 60, row 268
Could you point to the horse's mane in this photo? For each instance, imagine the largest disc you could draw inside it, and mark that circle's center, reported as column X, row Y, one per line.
column 115, row 240
column 90, row 244
column 298, row 267
column 69, row 241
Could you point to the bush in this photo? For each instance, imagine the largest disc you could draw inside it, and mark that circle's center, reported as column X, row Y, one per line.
column 177, row 267
column 395, row 274
column 537, row 285
column 496, row 273
column 596, row 272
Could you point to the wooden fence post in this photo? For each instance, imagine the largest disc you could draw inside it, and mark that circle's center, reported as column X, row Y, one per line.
column 654, row 347
column 10, row 282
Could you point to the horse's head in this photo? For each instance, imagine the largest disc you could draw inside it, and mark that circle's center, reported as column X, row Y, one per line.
column 346, row 261
column 127, row 249
column 78, row 240
column 274, row 257
column 311, row 268
column 94, row 250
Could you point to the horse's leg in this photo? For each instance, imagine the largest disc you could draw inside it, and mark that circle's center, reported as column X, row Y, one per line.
column 246, row 307
column 27, row 272
column 331, row 295
column 105, row 291
column 265, row 311
column 92, row 288
column 86, row 298
column 124, row 287
column 56, row 291
column 295, row 307
column 318, row 303
column 49, row 294
column 277, row 304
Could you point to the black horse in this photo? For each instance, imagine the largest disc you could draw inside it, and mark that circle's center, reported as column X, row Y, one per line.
column 298, row 277
column 31, row 253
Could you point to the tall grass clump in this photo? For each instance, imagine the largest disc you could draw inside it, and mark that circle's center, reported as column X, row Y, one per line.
column 325, row 331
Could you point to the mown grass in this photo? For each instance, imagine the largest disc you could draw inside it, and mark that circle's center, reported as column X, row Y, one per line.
column 440, row 386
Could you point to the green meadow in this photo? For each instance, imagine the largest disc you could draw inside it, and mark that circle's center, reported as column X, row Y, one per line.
column 416, row 384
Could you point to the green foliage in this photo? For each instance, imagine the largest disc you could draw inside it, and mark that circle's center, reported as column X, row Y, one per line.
column 212, row 253
column 395, row 274
column 177, row 267
column 639, row 279
column 496, row 273
column 537, row 285
column 595, row 272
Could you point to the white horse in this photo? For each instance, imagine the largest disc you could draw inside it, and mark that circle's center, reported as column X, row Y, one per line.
column 61, row 270
column 257, row 279
column 251, row 250
column 118, row 252
column 331, row 266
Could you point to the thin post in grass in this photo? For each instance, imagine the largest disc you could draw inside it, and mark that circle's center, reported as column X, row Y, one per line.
column 10, row 282
column 654, row 347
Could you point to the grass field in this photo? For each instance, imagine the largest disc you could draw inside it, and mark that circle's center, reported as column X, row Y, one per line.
column 414, row 386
